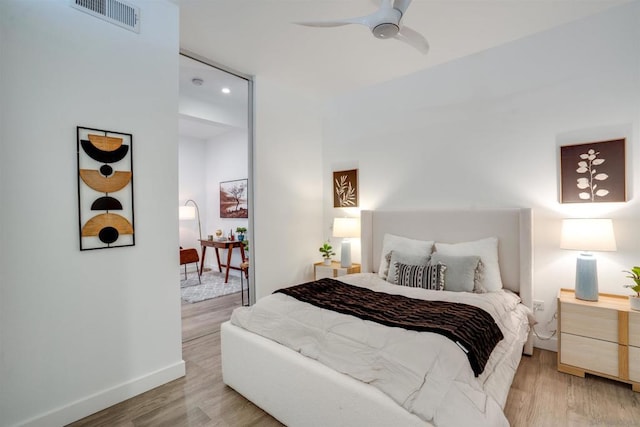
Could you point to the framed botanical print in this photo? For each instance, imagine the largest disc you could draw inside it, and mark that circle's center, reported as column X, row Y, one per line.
column 345, row 189
column 593, row 172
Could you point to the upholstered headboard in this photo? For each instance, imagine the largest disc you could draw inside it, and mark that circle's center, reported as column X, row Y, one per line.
column 512, row 227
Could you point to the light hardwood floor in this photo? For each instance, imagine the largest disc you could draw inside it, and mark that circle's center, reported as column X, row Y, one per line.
column 539, row 396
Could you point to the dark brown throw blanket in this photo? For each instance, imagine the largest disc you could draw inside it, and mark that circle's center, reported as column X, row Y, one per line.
column 471, row 328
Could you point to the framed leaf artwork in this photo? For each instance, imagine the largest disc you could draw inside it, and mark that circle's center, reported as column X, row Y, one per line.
column 593, row 172
column 345, row 189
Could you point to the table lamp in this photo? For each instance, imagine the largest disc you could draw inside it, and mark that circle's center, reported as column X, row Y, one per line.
column 587, row 235
column 346, row 228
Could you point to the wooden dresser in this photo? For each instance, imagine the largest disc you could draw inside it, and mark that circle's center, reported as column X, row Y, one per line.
column 599, row 337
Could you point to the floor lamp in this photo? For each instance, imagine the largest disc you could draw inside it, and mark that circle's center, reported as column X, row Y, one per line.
column 587, row 235
column 190, row 212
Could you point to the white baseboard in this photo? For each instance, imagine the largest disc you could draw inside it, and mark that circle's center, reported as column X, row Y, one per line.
column 91, row 404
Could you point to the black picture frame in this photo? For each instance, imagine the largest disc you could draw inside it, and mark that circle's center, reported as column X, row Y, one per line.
column 105, row 188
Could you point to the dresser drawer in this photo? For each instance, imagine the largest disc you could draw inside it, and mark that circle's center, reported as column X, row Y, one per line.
column 589, row 321
column 590, row 354
column 634, row 328
column 634, row 364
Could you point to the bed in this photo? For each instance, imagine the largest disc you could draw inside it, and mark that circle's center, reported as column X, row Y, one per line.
column 301, row 391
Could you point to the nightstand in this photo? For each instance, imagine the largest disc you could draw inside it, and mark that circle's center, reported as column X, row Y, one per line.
column 599, row 337
column 321, row 271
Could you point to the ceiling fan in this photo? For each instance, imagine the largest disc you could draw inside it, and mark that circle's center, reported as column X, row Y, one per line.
column 385, row 23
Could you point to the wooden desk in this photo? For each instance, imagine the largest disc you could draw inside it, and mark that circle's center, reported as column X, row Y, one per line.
column 228, row 245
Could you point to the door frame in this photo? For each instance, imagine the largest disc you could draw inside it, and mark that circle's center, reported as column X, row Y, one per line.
column 250, row 150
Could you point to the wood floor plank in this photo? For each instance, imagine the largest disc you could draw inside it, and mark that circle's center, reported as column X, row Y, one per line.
column 539, row 396
column 542, row 396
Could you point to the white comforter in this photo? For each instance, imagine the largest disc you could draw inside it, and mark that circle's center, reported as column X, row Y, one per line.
column 426, row 373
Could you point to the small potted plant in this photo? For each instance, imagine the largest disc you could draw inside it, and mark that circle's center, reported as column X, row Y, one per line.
column 241, row 231
column 327, row 252
column 634, row 300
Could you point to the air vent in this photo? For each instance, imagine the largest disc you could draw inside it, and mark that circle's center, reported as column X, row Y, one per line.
column 114, row 11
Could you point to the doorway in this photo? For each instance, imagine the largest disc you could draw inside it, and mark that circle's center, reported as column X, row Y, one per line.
column 215, row 182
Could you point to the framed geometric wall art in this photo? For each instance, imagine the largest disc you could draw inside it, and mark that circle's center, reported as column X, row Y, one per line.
column 105, row 189
column 593, row 172
column 345, row 189
column 233, row 199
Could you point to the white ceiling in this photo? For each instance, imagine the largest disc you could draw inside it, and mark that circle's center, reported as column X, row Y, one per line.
column 204, row 111
column 213, row 80
column 257, row 37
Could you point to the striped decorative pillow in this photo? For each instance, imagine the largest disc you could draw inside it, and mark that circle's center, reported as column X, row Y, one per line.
column 430, row 276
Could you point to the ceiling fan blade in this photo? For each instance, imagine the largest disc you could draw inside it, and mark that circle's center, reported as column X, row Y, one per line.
column 323, row 24
column 363, row 20
column 413, row 38
column 401, row 5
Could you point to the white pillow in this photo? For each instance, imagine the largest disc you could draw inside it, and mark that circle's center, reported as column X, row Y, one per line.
column 392, row 242
column 487, row 250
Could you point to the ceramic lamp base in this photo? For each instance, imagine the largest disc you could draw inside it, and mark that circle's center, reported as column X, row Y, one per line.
column 345, row 255
column 586, row 278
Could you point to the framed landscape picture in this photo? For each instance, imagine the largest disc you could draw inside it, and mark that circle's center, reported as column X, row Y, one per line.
column 233, row 199
column 593, row 172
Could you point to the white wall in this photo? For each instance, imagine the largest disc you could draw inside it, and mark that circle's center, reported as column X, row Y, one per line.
column 80, row 331
column 485, row 131
column 287, row 186
column 192, row 166
column 227, row 159
column 202, row 166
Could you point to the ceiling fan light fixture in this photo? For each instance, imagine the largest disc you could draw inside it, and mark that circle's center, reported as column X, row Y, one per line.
column 385, row 30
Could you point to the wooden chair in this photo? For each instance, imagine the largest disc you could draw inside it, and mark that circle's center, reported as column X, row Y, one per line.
column 188, row 256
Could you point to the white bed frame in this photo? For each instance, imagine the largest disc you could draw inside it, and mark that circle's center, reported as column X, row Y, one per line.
column 300, row 391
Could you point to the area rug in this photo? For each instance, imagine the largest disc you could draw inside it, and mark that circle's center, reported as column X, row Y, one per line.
column 212, row 286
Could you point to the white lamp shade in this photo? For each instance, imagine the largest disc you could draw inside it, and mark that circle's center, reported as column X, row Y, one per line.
column 588, row 234
column 346, row 227
column 187, row 212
